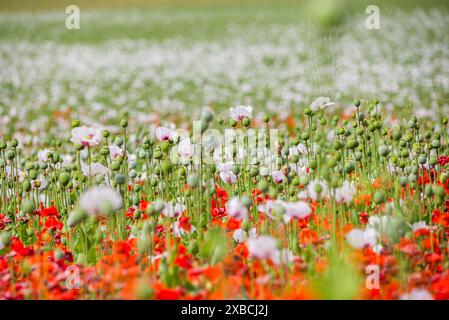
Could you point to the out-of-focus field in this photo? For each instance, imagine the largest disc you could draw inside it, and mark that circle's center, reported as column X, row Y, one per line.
column 174, row 56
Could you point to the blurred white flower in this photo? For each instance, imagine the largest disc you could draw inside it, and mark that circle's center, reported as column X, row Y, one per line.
column 421, row 225
column 378, row 223
column 241, row 112
column 95, row 169
column 264, row 171
column 310, row 192
column 236, row 209
column 116, row 151
column 173, row 210
column 163, row 134
column 302, row 148
column 185, row 148
column 278, row 177
column 263, row 247
column 359, row 239
column 239, row 236
column 87, row 136
column 226, row 173
column 179, row 231
column 321, row 103
column 299, row 209
column 345, row 192
column 228, row 177
column 283, row 256
column 43, row 155
column 417, row 294
column 100, row 201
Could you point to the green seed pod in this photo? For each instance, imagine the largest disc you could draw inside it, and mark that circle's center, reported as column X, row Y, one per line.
column 254, row 172
column 10, row 154
column 119, row 141
column 304, row 180
column 27, row 206
column 318, row 188
column 153, row 182
column 115, row 165
column 157, row 155
column 120, row 179
column 308, row 112
column 428, row 190
column 14, row 143
column 349, row 167
column 313, row 164
column 5, row 238
column 296, row 181
column 305, row 136
column 75, row 218
column 26, row 185
column 352, row 143
column 246, row 122
column 384, row 150
column 436, row 144
column 158, row 205
column 262, row 186
column 193, row 180
column 403, row 181
column 422, row 159
column 123, row 123
column 379, row 197
column 412, row 178
column 165, row 145
column 246, row 201
column 397, row 135
column 438, row 191
column 266, row 118
column 337, row 145
column 64, row 179
column 33, row 174
column 135, row 201
column 75, row 123
column 167, row 166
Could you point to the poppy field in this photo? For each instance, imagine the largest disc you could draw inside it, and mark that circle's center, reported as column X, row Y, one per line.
column 258, row 151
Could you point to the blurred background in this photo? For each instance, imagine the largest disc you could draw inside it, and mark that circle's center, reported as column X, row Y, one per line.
column 176, row 57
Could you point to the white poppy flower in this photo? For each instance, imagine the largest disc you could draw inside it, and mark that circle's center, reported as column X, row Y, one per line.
column 359, row 239
column 100, row 201
column 164, row 134
column 95, row 169
column 173, row 210
column 421, row 225
column 185, row 148
column 241, row 112
column 262, row 247
column 345, row 192
column 239, row 236
column 236, row 209
column 278, row 177
column 302, row 148
column 87, row 136
column 299, row 209
column 321, row 103
column 43, row 155
column 417, row 294
column 116, row 151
